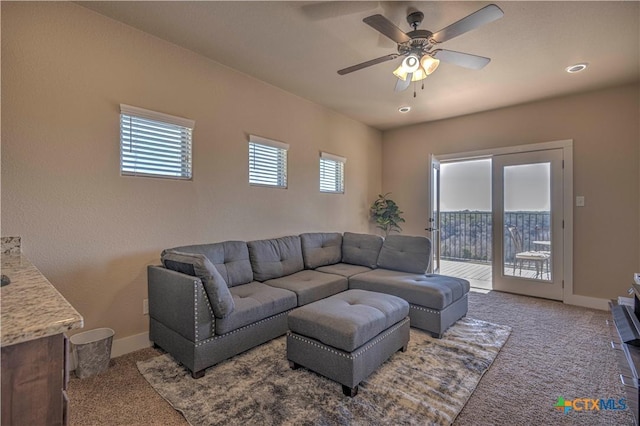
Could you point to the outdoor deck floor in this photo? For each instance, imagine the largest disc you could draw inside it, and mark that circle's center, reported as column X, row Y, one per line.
column 474, row 271
column 478, row 274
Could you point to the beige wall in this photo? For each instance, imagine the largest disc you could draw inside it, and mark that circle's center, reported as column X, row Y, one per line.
column 65, row 70
column 605, row 128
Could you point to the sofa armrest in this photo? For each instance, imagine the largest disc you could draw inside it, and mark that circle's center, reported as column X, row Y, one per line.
column 179, row 302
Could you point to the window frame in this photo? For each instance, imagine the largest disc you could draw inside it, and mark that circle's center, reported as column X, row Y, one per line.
column 338, row 174
column 268, row 147
column 177, row 150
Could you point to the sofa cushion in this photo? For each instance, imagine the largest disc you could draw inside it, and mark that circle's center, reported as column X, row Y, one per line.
column 199, row 266
column 310, row 285
column 405, row 253
column 254, row 302
column 361, row 249
column 344, row 269
column 231, row 259
column 320, row 249
column 430, row 290
column 348, row 320
column 275, row 258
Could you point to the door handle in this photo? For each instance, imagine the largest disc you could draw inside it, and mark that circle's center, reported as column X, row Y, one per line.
column 431, row 229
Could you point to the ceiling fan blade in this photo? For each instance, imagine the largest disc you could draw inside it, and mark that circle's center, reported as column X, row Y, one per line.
column 465, row 60
column 368, row 63
column 403, row 84
column 386, row 27
column 478, row 18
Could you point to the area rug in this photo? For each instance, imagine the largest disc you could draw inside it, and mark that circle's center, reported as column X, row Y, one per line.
column 427, row 385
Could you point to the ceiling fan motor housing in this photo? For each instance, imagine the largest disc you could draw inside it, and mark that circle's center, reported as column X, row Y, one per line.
column 420, row 42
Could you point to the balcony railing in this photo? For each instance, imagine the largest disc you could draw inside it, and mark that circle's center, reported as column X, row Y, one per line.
column 467, row 235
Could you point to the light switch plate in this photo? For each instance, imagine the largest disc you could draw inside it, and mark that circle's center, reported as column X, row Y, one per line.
column 580, row 201
column 636, row 278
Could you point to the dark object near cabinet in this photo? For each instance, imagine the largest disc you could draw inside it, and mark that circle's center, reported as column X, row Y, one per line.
column 627, row 330
column 34, row 382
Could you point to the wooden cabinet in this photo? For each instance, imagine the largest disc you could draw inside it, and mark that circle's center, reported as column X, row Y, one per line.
column 34, row 318
column 34, row 381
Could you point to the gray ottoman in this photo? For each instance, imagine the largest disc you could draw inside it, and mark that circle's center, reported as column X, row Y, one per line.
column 347, row 336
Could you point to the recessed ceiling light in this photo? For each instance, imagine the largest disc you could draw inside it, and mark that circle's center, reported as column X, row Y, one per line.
column 576, row 68
column 404, row 109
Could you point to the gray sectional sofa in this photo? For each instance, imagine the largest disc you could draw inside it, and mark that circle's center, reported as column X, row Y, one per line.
column 210, row 302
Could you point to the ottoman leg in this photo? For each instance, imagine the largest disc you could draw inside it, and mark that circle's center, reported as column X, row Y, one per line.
column 350, row 392
column 197, row 374
column 293, row 365
column 404, row 348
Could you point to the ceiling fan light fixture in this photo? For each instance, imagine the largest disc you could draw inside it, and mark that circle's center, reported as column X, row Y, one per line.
column 420, row 74
column 404, row 109
column 429, row 64
column 400, row 73
column 411, row 63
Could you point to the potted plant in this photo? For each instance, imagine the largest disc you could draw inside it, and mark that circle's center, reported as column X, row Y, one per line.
column 386, row 214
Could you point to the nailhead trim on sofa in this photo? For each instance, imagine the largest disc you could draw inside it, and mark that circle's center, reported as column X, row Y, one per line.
column 195, row 309
column 220, row 336
column 195, row 312
column 420, row 308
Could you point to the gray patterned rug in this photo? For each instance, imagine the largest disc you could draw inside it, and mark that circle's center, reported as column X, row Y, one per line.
column 428, row 384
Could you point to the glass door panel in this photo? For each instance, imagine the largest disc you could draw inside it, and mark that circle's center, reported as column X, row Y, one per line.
column 528, row 213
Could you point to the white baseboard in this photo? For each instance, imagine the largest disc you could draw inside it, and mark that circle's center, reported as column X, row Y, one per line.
column 587, row 302
column 130, row 344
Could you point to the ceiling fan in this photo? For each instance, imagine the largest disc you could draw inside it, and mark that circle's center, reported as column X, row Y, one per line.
column 417, row 46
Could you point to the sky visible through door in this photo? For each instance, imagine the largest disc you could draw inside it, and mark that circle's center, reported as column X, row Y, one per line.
column 465, row 221
column 466, row 185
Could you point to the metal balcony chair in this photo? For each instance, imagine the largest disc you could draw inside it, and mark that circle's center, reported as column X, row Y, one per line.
column 538, row 258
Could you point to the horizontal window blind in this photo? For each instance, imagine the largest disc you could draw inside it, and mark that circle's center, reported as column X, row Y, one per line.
column 267, row 162
column 155, row 144
column 331, row 173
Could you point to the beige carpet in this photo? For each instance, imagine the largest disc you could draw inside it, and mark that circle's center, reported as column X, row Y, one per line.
column 554, row 350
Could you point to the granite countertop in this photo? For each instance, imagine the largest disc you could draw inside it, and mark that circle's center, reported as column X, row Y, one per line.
column 31, row 306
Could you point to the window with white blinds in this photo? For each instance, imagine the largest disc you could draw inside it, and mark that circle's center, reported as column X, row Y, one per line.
column 153, row 144
column 267, row 162
column 332, row 173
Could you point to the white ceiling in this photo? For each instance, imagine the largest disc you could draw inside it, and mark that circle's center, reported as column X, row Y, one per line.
column 299, row 46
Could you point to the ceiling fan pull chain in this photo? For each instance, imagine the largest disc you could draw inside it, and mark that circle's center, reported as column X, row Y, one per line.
column 414, row 89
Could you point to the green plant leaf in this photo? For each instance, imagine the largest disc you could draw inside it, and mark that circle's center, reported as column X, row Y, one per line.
column 386, row 213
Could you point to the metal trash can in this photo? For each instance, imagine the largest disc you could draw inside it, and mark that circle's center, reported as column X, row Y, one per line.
column 92, row 351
